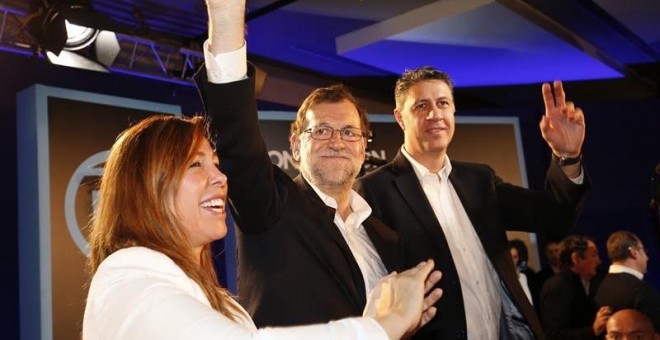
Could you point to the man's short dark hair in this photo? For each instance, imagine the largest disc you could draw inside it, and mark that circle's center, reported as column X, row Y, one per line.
column 573, row 244
column 414, row 76
column 331, row 94
column 619, row 243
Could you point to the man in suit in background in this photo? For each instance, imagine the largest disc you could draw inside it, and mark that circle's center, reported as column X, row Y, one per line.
column 308, row 248
column 566, row 306
column 623, row 286
column 457, row 213
column 551, row 252
column 552, row 267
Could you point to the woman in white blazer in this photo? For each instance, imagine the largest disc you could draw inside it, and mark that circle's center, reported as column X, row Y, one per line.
column 162, row 201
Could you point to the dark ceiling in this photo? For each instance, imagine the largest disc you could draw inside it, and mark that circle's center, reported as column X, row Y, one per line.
column 478, row 42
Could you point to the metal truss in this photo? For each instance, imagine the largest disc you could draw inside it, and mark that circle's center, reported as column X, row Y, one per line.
column 164, row 61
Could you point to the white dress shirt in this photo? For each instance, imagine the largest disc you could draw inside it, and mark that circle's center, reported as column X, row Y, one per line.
column 617, row 268
column 363, row 249
column 478, row 278
column 139, row 293
column 522, row 278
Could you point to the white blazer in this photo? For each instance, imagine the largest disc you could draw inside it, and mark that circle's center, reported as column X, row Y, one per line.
column 139, row 293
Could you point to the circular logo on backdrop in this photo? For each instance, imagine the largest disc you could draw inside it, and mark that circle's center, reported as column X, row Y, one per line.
column 83, row 182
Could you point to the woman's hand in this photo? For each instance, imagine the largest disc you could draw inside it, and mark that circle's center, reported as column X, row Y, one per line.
column 402, row 303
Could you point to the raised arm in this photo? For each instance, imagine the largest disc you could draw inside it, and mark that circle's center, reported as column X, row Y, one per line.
column 226, row 25
column 562, row 126
column 226, row 85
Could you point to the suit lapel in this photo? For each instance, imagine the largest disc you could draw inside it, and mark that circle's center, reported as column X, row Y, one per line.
column 411, row 190
column 465, row 186
column 387, row 243
column 469, row 193
column 328, row 230
column 472, row 192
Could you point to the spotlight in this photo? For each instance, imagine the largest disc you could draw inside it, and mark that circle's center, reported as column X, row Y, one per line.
column 71, row 59
column 48, row 28
column 66, row 24
column 64, row 29
column 105, row 51
column 79, row 37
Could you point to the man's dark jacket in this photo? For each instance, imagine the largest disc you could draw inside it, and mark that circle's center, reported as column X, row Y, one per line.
column 567, row 312
column 623, row 290
column 493, row 206
column 294, row 266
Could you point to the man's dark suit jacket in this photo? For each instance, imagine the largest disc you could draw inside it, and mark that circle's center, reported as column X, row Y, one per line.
column 540, row 278
column 397, row 199
column 567, row 313
column 623, row 290
column 294, row 266
column 544, row 274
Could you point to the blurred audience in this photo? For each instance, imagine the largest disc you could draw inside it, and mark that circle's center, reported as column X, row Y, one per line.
column 526, row 275
column 567, row 309
column 624, row 286
column 553, row 266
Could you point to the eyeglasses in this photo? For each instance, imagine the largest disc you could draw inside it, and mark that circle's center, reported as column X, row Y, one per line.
column 350, row 134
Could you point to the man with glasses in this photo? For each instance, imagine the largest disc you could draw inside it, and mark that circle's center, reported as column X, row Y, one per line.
column 308, row 248
column 624, row 286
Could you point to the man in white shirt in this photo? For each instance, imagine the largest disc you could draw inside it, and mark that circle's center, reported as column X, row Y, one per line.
column 624, row 286
column 457, row 212
column 309, row 248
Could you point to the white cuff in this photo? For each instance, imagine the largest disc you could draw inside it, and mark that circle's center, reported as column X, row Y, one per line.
column 226, row 67
column 579, row 179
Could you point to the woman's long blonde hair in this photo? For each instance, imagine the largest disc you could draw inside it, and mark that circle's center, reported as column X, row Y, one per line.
column 136, row 195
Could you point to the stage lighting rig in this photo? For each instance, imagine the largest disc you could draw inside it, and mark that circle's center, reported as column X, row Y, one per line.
column 72, row 34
